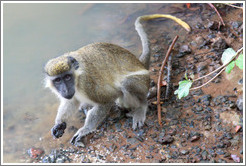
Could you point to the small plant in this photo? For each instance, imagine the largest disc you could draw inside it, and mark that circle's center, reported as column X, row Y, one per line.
column 229, row 63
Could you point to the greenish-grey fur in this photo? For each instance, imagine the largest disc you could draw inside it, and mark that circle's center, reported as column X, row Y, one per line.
column 57, row 66
column 102, row 64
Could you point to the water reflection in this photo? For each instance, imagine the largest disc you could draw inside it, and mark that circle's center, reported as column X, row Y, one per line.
column 34, row 33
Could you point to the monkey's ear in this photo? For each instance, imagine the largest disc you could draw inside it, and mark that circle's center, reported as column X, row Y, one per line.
column 73, row 62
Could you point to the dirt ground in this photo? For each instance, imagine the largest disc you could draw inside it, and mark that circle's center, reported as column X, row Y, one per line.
column 206, row 126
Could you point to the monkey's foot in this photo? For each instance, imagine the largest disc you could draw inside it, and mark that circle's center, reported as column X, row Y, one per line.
column 138, row 122
column 77, row 141
column 138, row 117
column 58, row 130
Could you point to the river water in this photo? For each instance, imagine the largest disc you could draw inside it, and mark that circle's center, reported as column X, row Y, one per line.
column 32, row 34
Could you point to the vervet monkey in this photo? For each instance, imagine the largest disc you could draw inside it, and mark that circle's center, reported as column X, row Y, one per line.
column 100, row 75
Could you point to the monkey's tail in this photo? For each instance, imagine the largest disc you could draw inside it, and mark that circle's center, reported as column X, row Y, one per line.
column 145, row 56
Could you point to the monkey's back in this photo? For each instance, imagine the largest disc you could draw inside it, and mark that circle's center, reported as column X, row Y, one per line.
column 106, row 56
column 105, row 66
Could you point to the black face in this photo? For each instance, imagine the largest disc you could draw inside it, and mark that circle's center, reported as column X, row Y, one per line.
column 64, row 83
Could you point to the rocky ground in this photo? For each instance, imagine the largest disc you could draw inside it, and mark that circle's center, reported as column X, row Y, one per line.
column 206, row 126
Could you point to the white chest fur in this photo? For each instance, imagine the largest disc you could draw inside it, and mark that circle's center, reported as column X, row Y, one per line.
column 83, row 99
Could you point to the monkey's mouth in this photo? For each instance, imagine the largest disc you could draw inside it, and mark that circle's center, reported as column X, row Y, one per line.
column 68, row 96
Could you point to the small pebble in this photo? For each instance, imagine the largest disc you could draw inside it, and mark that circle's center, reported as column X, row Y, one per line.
column 35, row 152
column 166, row 139
column 195, row 138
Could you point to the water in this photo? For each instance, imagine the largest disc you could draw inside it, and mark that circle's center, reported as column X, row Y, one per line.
column 34, row 33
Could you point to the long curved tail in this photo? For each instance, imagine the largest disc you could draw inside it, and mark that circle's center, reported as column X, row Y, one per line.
column 145, row 56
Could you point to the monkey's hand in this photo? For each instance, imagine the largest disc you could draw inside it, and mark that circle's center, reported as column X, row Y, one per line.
column 58, row 130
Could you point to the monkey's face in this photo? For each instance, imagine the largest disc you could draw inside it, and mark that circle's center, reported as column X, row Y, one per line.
column 64, row 84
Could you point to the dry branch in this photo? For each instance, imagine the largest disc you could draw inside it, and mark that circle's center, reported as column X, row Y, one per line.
column 160, row 79
column 212, row 6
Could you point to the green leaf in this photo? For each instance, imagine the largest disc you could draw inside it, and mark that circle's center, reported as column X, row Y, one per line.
column 230, row 67
column 239, row 61
column 227, row 55
column 184, row 87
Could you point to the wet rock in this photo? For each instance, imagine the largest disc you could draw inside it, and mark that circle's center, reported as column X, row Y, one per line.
column 201, row 42
column 236, row 24
column 184, row 49
column 201, row 66
column 211, row 152
column 118, row 127
column 220, row 100
column 132, row 141
column 149, row 157
column 198, row 92
column 227, row 155
column 154, row 135
column 173, row 113
column 35, row 152
column 195, row 138
column 204, row 155
column 141, row 139
column 198, row 108
column 46, row 159
column 218, row 43
column 52, row 158
column 205, row 99
column 157, row 49
column 208, row 127
column 112, row 147
column 236, row 158
column 184, row 152
column 240, row 82
column 213, row 25
column 200, row 26
column 221, row 161
column 166, row 139
column 210, row 36
column 235, row 140
column 171, row 132
column 220, row 145
column 84, row 159
column 220, row 152
column 239, row 103
column 175, row 155
column 60, row 160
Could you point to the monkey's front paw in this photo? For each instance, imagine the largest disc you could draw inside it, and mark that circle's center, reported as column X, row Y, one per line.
column 77, row 140
column 138, row 122
column 58, row 130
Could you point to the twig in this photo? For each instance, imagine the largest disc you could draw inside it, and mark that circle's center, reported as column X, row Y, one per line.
column 209, row 80
column 223, row 66
column 212, row 6
column 237, row 53
column 233, row 5
column 160, row 79
column 169, row 70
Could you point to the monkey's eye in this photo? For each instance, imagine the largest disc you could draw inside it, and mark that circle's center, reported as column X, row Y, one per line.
column 57, row 80
column 67, row 77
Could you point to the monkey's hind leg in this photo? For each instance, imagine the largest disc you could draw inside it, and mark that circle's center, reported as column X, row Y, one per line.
column 94, row 117
column 135, row 89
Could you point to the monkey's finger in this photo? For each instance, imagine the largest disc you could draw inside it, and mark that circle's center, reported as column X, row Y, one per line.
column 79, row 142
column 73, row 139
